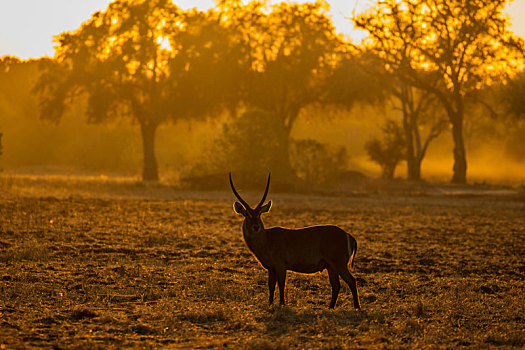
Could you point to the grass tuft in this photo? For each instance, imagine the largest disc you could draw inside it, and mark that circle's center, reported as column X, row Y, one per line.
column 27, row 252
column 81, row 314
column 206, row 315
column 516, row 339
column 419, row 309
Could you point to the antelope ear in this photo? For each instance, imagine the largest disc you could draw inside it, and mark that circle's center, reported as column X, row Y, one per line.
column 239, row 209
column 266, row 208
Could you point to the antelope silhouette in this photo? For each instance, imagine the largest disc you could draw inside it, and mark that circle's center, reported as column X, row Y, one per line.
column 305, row 250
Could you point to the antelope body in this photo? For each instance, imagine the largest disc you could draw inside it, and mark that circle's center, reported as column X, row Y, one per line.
column 306, row 250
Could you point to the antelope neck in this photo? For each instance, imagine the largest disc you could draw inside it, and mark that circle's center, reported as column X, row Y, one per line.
column 257, row 242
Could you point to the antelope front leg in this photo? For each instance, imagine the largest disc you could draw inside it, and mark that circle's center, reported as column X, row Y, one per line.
column 272, row 280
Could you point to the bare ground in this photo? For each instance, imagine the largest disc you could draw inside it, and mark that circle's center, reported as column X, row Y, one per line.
column 111, row 264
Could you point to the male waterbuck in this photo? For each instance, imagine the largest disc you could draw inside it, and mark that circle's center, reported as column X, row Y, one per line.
column 306, row 250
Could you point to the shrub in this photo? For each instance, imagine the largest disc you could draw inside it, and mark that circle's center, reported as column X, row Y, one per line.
column 390, row 150
column 254, row 141
column 316, row 163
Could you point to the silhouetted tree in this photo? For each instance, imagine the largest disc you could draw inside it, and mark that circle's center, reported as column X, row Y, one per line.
column 419, row 110
column 117, row 61
column 364, row 78
column 207, row 72
column 358, row 77
column 290, row 51
column 146, row 60
column 461, row 44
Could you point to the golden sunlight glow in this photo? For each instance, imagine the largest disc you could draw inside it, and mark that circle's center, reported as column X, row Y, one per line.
column 164, row 43
column 430, row 38
column 28, row 34
column 180, row 24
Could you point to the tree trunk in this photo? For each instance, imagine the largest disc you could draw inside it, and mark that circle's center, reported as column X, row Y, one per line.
column 413, row 158
column 406, row 95
column 286, row 169
column 410, row 155
column 460, row 159
column 388, row 171
column 414, row 170
column 150, row 170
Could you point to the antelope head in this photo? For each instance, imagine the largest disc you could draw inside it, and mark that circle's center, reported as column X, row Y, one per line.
column 252, row 217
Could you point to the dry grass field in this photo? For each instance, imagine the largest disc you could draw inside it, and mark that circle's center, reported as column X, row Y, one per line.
column 98, row 263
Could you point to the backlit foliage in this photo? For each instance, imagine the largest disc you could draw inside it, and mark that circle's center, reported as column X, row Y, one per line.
column 292, row 48
column 448, row 48
column 117, row 58
column 467, row 42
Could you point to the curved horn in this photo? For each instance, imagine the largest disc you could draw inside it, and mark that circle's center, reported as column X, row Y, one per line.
column 237, row 194
column 265, row 192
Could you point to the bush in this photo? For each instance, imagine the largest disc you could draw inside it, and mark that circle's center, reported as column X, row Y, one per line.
column 316, row 163
column 255, row 141
column 389, row 151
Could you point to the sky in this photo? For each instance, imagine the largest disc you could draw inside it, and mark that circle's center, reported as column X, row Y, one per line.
column 27, row 27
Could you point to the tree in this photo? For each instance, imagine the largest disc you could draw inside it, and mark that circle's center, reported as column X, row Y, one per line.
column 290, row 52
column 357, row 78
column 390, row 150
column 117, row 62
column 419, row 110
column 145, row 60
column 5, row 66
column 462, row 45
column 362, row 77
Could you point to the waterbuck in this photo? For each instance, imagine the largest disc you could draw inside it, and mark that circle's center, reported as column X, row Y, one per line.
column 306, row 250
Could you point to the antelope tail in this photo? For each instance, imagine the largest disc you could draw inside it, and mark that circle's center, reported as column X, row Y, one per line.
column 352, row 250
